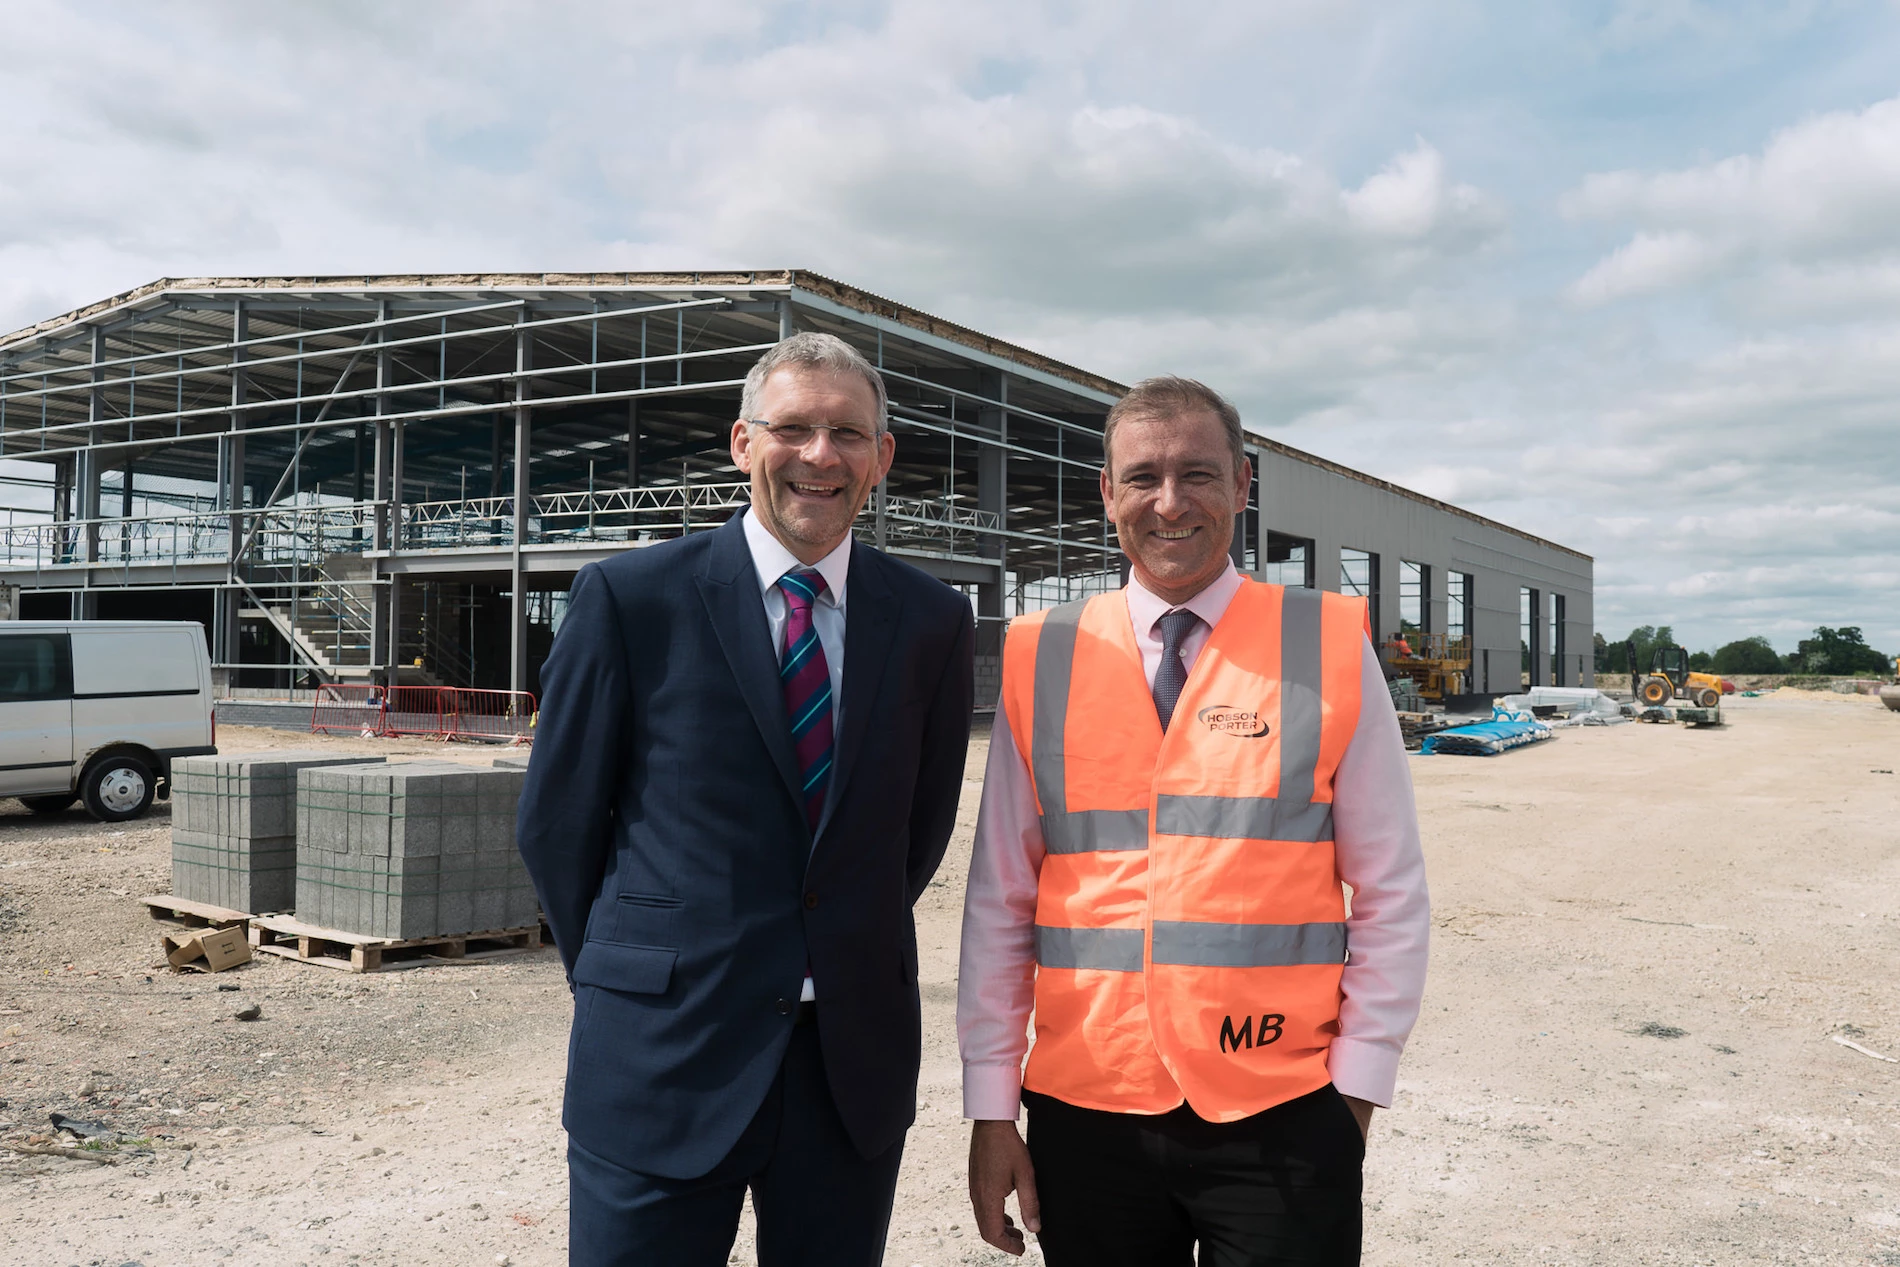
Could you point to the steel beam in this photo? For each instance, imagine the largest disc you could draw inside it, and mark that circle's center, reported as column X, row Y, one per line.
column 518, row 598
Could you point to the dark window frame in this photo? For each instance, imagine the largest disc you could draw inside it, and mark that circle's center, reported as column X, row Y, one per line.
column 62, row 686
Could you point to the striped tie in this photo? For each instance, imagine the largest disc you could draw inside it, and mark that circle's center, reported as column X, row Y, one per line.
column 806, row 678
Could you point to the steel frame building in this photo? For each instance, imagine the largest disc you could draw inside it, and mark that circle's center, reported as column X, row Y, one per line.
column 396, row 478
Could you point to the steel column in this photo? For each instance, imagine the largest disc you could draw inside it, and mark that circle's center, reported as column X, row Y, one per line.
column 518, row 599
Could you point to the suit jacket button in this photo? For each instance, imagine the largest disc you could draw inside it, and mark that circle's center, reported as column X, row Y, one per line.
column 811, row 901
column 784, row 1007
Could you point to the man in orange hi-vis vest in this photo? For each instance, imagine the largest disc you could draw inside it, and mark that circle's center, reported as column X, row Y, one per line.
column 1182, row 776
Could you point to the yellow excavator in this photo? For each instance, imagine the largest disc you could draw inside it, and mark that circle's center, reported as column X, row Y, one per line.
column 1669, row 679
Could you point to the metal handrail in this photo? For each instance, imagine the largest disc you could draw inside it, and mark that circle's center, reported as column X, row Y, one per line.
column 307, row 535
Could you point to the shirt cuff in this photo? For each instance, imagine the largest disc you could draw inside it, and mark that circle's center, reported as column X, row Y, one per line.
column 1362, row 1070
column 992, row 1093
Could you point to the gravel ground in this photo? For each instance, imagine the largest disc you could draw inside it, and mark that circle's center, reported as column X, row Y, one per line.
column 1648, row 942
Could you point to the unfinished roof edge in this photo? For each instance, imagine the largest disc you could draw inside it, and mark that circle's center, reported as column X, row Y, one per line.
column 793, row 278
column 1311, row 459
column 798, row 279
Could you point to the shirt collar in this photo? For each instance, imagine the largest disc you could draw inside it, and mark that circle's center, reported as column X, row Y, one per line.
column 1145, row 609
column 771, row 560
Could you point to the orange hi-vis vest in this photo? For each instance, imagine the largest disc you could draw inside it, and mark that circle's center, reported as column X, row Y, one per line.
column 1190, row 924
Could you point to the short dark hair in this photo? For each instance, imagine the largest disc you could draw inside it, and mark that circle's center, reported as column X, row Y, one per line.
column 1170, row 396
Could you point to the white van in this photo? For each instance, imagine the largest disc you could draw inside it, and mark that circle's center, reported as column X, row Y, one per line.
column 95, row 710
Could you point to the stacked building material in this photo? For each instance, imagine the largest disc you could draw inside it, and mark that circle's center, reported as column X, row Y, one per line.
column 1487, row 739
column 234, row 823
column 421, row 849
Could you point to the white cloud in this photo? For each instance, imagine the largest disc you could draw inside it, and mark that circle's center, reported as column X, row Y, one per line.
column 1820, row 193
column 1649, row 262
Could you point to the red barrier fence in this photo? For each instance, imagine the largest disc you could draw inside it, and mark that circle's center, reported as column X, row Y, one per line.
column 437, row 712
column 494, row 715
column 348, row 710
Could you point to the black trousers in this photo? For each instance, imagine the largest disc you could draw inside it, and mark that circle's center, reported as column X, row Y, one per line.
column 1280, row 1187
column 818, row 1202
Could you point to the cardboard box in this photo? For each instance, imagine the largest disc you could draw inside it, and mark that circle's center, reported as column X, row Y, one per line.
column 218, row 948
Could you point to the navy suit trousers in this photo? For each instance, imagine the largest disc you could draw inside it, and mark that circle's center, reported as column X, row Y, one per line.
column 818, row 1202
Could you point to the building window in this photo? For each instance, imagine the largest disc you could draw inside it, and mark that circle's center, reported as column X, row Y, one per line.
column 1459, row 605
column 1289, row 560
column 1415, row 597
column 1529, row 643
column 1247, row 526
column 1557, row 641
column 1359, row 578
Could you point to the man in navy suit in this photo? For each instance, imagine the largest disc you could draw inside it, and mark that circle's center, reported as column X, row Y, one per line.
column 746, row 770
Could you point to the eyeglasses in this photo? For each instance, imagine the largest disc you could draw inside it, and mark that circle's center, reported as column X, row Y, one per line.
column 797, row 435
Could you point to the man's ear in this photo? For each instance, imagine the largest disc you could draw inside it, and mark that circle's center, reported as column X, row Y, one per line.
column 1243, row 484
column 886, row 453
column 742, row 447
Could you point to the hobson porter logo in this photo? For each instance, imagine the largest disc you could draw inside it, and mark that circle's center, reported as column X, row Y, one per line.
column 1225, row 719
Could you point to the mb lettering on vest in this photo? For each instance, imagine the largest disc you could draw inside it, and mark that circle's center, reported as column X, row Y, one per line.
column 1232, row 1039
column 1225, row 719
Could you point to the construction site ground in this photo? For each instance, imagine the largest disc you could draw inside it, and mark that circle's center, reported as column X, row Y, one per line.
column 1648, row 944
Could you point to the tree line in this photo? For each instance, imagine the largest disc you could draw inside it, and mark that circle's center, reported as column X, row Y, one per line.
column 1839, row 652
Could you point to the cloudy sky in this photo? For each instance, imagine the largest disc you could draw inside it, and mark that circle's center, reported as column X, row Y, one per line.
column 1625, row 274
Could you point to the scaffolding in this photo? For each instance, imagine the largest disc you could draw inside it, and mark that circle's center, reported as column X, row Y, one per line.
column 394, row 479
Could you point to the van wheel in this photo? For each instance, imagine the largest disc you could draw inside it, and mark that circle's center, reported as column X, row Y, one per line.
column 56, row 804
column 117, row 788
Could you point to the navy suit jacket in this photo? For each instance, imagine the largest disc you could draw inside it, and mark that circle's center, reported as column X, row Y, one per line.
column 669, row 846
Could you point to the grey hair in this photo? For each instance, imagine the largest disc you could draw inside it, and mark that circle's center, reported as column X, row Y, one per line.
column 810, row 350
column 1170, row 396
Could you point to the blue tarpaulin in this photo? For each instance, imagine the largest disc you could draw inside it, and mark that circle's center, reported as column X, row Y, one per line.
column 1486, row 738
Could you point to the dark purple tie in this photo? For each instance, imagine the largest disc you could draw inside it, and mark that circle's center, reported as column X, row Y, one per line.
column 1171, row 672
column 806, row 677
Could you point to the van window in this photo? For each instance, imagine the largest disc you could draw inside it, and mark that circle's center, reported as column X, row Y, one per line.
column 35, row 666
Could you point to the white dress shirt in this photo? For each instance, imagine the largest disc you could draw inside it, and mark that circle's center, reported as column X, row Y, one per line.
column 1375, row 842
column 771, row 560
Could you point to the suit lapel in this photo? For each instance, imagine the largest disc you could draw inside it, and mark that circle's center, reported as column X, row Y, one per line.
column 729, row 587
column 870, row 628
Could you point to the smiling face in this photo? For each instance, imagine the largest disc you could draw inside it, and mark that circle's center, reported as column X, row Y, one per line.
column 1172, row 490
column 807, row 497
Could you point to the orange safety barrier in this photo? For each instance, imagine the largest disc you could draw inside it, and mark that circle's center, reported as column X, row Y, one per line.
column 440, row 712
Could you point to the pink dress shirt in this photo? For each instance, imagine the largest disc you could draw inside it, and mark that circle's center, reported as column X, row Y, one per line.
column 1375, row 838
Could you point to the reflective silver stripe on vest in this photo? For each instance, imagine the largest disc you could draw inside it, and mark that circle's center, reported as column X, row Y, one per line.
column 1300, row 712
column 1110, row 949
column 1292, row 816
column 1055, row 665
column 1088, row 830
column 1247, row 945
column 1244, row 818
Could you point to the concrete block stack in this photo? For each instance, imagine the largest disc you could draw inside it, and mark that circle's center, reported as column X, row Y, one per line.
column 421, row 849
column 234, row 823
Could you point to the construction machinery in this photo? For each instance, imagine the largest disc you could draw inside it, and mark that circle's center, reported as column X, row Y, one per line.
column 1439, row 665
column 1669, row 678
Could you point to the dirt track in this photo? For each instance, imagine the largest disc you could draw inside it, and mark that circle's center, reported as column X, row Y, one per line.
column 1593, row 896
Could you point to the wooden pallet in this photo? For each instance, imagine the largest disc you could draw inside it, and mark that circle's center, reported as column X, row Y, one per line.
column 181, row 910
column 290, row 938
